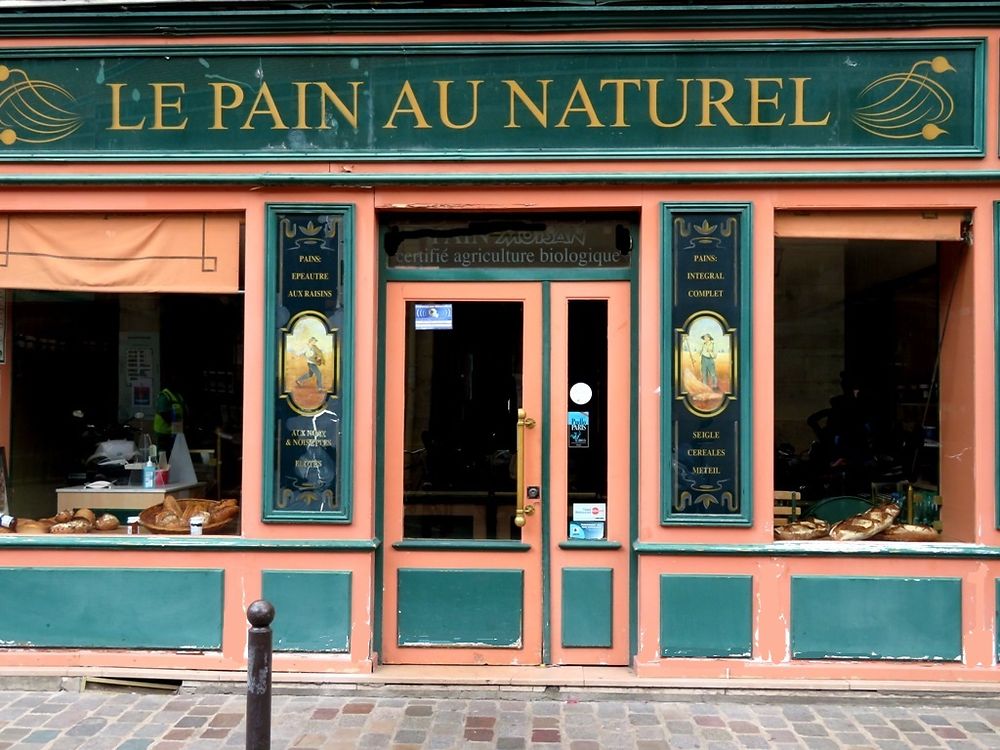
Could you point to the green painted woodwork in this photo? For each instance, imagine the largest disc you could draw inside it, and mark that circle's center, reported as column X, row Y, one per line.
column 876, row 618
column 321, row 436
column 312, row 609
column 686, row 499
column 254, row 180
column 474, row 608
column 184, row 542
column 112, row 608
column 463, row 545
column 706, row 615
column 513, row 274
column 635, row 307
column 589, row 544
column 543, row 508
column 996, row 360
column 160, row 20
column 495, row 101
column 819, row 549
column 587, row 607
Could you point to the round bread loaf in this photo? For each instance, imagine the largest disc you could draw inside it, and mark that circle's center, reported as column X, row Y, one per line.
column 86, row 514
column 106, row 522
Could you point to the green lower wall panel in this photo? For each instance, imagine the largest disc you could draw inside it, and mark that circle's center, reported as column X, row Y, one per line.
column 586, row 607
column 312, row 609
column 706, row 615
column 112, row 608
column 876, row 618
column 475, row 608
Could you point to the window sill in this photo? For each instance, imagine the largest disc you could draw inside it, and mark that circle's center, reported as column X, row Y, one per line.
column 158, row 542
column 823, row 548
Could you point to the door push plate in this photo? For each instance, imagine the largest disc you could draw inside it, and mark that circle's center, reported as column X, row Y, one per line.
column 534, row 492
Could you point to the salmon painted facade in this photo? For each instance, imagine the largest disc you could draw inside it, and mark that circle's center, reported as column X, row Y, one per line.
column 522, row 335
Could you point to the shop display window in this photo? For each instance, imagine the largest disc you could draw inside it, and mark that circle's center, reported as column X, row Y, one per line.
column 863, row 381
column 87, row 371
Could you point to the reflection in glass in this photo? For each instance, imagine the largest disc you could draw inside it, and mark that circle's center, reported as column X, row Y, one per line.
column 462, row 392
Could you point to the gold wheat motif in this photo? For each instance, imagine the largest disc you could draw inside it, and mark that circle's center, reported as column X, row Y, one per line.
column 910, row 104
column 32, row 111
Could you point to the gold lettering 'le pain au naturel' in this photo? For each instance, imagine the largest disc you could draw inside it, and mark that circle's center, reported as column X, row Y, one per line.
column 605, row 103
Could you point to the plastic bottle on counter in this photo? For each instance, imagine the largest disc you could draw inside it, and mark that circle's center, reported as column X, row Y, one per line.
column 148, row 474
column 8, row 522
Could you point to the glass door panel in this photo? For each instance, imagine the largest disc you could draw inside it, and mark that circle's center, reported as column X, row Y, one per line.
column 587, row 417
column 462, row 392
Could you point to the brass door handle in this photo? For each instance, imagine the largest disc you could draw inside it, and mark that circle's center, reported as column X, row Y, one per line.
column 520, row 515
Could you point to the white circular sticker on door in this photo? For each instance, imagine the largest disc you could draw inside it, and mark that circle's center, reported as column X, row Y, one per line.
column 580, row 393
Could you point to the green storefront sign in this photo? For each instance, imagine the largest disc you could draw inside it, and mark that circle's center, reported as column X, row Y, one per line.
column 589, row 100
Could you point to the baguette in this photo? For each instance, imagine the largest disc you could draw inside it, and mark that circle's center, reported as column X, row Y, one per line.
column 908, row 532
column 807, row 528
column 865, row 525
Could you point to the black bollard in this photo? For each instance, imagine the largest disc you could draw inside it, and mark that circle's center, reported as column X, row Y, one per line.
column 260, row 614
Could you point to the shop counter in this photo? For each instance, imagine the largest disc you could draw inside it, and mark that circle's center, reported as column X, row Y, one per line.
column 125, row 497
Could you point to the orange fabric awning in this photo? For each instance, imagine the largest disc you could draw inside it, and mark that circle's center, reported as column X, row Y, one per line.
column 120, row 252
column 940, row 226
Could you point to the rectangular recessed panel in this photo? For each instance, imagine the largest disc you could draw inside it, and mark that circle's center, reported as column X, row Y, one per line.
column 876, row 618
column 312, row 609
column 112, row 608
column 706, row 615
column 586, row 607
column 482, row 608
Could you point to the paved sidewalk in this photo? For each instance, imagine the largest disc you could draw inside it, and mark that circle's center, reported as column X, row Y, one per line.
column 142, row 721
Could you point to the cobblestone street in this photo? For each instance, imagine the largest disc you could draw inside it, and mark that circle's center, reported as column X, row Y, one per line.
column 97, row 720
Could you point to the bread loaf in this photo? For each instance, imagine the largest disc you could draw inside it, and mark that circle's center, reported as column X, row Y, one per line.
column 908, row 532
column 84, row 514
column 168, row 518
column 106, row 522
column 76, row 526
column 170, row 505
column 224, row 513
column 807, row 528
column 30, row 526
column 865, row 525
